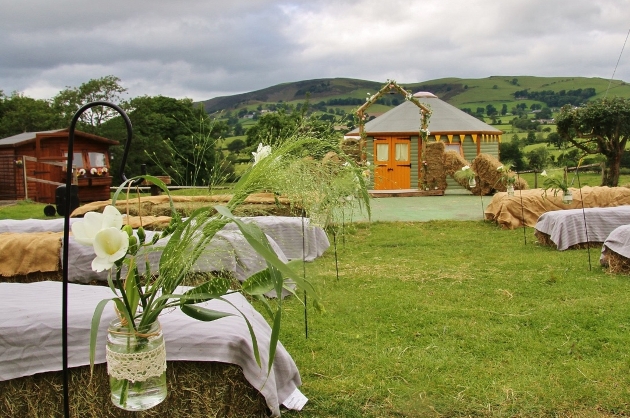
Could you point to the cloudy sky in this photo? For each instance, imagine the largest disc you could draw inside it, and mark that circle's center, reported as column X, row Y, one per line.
column 207, row 48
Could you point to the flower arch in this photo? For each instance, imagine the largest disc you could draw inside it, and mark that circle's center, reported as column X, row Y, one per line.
column 391, row 86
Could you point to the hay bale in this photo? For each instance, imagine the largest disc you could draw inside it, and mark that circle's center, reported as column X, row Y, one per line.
column 350, row 147
column 434, row 157
column 454, row 162
column 545, row 239
column 617, row 264
column 489, row 178
column 485, row 166
column 258, row 204
column 195, row 389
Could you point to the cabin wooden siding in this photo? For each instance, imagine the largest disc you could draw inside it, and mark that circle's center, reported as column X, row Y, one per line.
column 8, row 173
column 469, row 148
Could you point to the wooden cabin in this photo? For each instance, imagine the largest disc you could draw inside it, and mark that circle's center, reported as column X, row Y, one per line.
column 394, row 146
column 38, row 160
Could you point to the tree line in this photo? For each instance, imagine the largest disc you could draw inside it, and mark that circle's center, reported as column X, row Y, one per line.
column 559, row 98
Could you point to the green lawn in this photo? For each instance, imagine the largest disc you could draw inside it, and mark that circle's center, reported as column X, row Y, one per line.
column 445, row 319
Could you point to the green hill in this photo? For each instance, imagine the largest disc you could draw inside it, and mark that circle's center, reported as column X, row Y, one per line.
column 459, row 92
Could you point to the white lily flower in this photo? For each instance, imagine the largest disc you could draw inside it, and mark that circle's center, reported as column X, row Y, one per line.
column 466, row 167
column 500, row 168
column 85, row 231
column 110, row 244
column 544, row 173
column 262, row 152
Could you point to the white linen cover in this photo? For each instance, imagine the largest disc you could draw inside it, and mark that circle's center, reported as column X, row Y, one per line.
column 30, row 336
column 296, row 237
column 566, row 227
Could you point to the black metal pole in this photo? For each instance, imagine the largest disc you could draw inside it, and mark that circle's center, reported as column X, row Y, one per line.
column 66, row 234
column 588, row 245
column 520, row 192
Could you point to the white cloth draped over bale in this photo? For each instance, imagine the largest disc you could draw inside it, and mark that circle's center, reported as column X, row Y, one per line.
column 526, row 206
column 567, row 228
column 31, row 337
column 292, row 238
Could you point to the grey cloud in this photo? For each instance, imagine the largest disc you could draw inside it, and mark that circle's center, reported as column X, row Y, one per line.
column 200, row 48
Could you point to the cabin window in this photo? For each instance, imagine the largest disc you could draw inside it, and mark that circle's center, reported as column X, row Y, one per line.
column 77, row 159
column 382, row 152
column 97, row 159
column 455, row 146
column 402, row 152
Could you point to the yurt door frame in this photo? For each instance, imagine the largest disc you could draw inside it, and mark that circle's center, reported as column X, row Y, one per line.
column 392, row 160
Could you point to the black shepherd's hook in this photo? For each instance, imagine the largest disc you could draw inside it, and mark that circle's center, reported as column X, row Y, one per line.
column 66, row 231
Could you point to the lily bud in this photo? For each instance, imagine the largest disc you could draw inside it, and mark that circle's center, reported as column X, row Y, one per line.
column 128, row 230
column 141, row 235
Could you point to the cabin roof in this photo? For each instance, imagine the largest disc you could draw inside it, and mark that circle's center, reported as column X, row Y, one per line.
column 26, row 137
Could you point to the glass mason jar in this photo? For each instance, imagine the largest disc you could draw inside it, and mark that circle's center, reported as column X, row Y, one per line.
column 136, row 365
column 510, row 190
column 472, row 183
column 567, row 197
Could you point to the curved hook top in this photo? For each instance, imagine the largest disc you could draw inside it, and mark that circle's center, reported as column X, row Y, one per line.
column 122, row 113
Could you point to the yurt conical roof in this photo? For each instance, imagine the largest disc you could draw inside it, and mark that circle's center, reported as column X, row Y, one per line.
column 445, row 119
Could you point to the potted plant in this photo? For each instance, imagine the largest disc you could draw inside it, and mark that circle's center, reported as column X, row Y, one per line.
column 507, row 178
column 557, row 184
column 466, row 173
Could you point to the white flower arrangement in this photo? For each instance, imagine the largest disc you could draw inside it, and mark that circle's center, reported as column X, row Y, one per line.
column 93, row 171
column 81, row 171
column 465, row 173
column 105, row 170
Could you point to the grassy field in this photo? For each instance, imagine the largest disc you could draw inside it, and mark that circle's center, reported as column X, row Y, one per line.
column 454, row 319
column 445, row 319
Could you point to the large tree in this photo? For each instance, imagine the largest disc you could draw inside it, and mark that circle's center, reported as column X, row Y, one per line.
column 600, row 127
column 71, row 99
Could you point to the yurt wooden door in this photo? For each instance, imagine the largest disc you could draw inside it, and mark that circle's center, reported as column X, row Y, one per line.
column 392, row 160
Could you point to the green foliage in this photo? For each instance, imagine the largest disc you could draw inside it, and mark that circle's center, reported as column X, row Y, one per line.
column 68, row 102
column 538, row 158
column 511, row 152
column 171, row 136
column 19, row 113
column 600, row 127
column 276, row 127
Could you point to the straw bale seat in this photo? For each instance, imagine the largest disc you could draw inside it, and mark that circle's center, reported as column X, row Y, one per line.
column 577, row 228
column 211, row 367
column 526, row 206
column 36, row 247
column 616, row 251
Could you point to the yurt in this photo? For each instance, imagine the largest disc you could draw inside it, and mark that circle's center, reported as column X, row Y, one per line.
column 393, row 144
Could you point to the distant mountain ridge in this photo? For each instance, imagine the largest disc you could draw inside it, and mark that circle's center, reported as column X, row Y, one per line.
column 456, row 91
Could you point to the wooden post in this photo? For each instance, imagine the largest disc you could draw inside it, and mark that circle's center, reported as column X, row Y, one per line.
column 24, row 175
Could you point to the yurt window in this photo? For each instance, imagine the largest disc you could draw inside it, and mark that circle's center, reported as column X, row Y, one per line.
column 456, row 146
column 402, row 152
column 382, row 152
column 97, row 159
